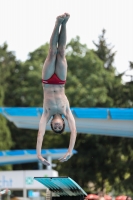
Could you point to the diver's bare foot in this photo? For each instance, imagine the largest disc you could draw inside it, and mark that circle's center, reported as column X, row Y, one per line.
column 60, row 19
column 67, row 16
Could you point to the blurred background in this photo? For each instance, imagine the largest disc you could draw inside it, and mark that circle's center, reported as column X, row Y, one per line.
column 99, row 53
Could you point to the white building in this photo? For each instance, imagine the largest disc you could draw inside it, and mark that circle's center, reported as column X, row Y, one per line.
column 24, row 181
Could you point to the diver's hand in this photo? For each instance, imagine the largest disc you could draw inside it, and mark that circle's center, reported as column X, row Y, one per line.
column 65, row 157
column 43, row 161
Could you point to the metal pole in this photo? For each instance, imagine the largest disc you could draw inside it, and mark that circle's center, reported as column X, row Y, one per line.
column 49, row 159
column 24, row 193
column 40, row 165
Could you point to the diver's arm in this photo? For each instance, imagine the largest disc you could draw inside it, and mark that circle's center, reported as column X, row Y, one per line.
column 41, row 132
column 72, row 126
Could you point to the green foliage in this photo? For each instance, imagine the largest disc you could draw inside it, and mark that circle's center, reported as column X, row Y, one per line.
column 119, row 95
column 128, row 89
column 21, row 79
column 104, row 51
column 6, row 59
column 87, row 77
column 32, row 82
column 5, row 139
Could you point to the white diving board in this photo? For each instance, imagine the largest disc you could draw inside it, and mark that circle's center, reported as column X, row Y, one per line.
column 29, row 155
column 98, row 121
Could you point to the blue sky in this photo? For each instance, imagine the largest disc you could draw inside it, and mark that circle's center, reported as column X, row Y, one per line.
column 27, row 24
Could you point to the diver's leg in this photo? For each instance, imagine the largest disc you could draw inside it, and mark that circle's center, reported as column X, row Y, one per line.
column 61, row 63
column 49, row 64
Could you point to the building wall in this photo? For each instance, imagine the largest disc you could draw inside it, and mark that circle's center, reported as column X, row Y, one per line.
column 24, row 180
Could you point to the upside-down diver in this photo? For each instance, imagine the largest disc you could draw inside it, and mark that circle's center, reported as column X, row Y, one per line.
column 55, row 103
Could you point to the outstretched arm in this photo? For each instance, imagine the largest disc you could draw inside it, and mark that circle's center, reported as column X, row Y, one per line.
column 72, row 126
column 41, row 132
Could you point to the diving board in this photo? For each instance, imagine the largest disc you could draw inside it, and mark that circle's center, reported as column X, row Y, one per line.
column 8, row 157
column 62, row 188
column 98, row 121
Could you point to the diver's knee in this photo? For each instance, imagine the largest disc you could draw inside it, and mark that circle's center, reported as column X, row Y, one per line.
column 61, row 52
column 52, row 51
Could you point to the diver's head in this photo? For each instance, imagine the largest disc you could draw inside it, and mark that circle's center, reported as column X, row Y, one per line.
column 57, row 124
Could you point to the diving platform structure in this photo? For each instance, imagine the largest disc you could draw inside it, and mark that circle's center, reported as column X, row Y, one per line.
column 98, row 121
column 11, row 157
column 63, row 188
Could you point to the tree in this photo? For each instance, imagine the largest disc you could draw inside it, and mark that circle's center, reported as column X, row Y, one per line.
column 86, row 71
column 5, row 139
column 129, row 88
column 104, row 51
column 116, row 90
column 6, row 58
